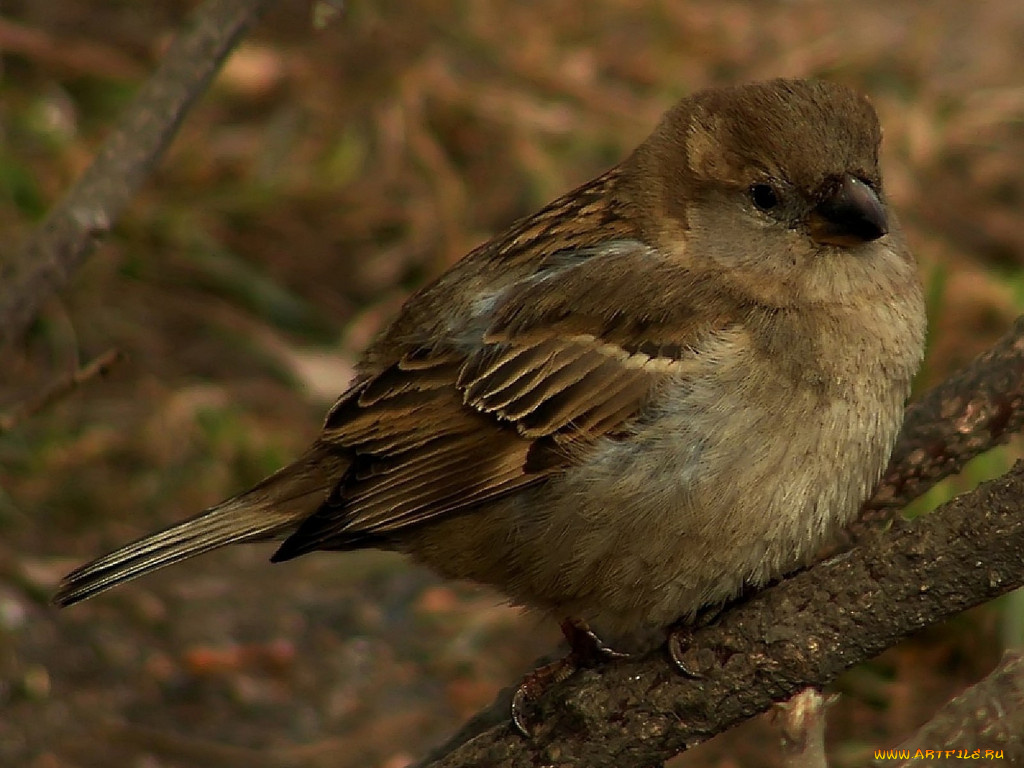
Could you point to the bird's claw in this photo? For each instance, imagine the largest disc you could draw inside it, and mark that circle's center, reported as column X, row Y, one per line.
column 678, row 644
column 533, row 686
column 586, row 650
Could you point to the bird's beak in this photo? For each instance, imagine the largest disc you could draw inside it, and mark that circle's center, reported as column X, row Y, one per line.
column 851, row 215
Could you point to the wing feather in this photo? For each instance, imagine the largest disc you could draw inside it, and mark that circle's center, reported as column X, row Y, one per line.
column 444, row 427
column 538, row 372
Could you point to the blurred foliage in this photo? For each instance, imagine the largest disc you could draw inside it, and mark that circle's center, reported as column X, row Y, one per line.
column 328, row 172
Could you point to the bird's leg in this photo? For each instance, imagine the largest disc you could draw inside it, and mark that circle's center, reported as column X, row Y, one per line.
column 585, row 646
column 586, row 650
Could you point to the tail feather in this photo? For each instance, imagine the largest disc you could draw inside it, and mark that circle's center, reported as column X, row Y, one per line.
column 270, row 511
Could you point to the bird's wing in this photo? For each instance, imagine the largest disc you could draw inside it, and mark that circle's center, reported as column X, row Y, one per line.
column 559, row 361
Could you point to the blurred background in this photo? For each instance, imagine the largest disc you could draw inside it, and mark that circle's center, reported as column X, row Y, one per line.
column 326, row 174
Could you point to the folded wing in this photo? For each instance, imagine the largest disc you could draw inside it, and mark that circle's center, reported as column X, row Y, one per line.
column 555, row 369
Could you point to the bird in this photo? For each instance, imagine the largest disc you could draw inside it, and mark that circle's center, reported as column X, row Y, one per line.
column 674, row 383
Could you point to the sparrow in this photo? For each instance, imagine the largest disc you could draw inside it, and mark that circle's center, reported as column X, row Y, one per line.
column 675, row 383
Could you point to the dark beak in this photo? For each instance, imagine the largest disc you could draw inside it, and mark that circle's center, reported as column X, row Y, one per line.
column 851, row 215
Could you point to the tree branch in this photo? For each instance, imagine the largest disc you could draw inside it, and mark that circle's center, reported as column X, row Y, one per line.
column 803, row 632
column 62, row 242
column 988, row 715
column 976, row 409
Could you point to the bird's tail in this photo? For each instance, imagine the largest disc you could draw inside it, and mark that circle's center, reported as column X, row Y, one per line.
column 269, row 511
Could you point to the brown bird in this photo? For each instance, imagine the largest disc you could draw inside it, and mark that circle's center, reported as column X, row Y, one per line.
column 673, row 383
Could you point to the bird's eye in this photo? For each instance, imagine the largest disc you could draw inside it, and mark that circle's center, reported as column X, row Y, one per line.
column 764, row 196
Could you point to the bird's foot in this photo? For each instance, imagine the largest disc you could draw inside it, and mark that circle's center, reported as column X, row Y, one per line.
column 586, row 650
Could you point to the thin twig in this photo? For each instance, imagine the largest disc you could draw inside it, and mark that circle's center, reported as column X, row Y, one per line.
column 80, row 56
column 92, row 206
column 58, row 389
